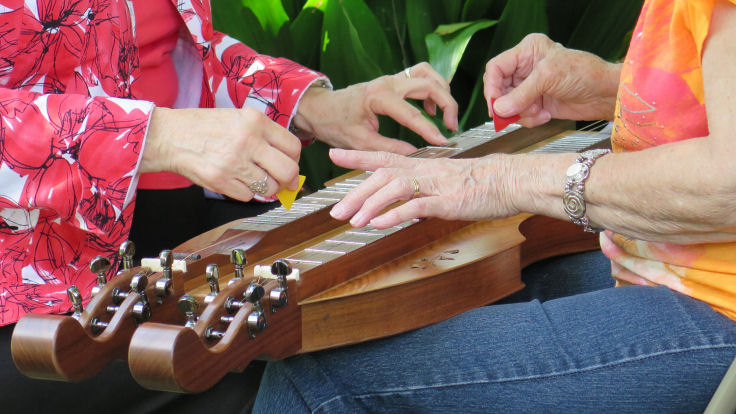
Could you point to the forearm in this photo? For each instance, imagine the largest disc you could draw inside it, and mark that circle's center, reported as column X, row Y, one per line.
column 675, row 192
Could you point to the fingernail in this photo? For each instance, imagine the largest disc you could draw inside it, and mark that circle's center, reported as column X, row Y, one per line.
column 357, row 219
column 338, row 211
column 502, row 107
column 336, row 151
column 441, row 138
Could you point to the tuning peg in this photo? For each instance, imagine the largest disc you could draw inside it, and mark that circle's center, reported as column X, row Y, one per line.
column 126, row 253
column 256, row 320
column 99, row 265
column 138, row 285
column 213, row 279
column 142, row 309
column 253, row 294
column 281, row 268
column 237, row 258
column 279, row 297
column 76, row 298
column 188, row 304
column 163, row 285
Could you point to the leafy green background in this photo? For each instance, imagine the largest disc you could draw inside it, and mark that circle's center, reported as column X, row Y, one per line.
column 354, row 41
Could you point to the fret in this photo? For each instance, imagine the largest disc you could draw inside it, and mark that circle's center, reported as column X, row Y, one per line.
column 256, row 226
column 571, row 143
column 319, row 198
column 347, row 184
column 344, row 246
column 333, row 190
column 325, row 251
column 363, row 236
column 270, row 219
column 302, row 208
column 347, row 242
column 313, row 257
column 281, row 211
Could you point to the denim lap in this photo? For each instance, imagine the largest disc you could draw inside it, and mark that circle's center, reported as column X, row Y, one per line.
column 630, row 349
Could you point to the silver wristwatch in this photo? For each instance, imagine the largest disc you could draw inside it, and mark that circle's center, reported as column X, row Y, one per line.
column 573, row 198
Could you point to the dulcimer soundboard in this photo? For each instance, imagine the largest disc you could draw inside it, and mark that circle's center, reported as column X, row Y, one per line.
column 289, row 282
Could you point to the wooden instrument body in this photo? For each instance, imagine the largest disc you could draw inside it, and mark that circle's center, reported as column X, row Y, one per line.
column 404, row 281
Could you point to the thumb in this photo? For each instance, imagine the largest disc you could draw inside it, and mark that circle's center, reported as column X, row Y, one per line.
column 521, row 97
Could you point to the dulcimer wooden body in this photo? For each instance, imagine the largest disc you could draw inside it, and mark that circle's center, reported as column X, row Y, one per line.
column 421, row 273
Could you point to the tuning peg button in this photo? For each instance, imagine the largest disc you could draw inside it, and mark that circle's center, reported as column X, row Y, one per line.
column 76, row 298
column 100, row 266
column 238, row 258
column 163, row 285
column 279, row 297
column 281, row 268
column 126, row 253
column 212, row 273
column 188, row 304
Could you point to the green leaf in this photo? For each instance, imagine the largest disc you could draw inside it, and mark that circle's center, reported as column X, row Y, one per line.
column 603, row 26
column 564, row 16
column 270, row 13
column 519, row 18
column 422, row 17
column 447, row 44
column 475, row 8
column 347, row 57
column 306, row 30
column 391, row 15
column 241, row 23
column 293, row 7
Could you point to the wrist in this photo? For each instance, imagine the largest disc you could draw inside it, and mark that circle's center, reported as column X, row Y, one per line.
column 539, row 180
column 310, row 108
column 153, row 158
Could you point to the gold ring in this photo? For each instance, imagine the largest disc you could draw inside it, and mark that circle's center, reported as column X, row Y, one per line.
column 259, row 187
column 407, row 72
column 415, row 185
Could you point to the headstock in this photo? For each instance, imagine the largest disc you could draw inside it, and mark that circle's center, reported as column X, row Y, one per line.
column 77, row 346
column 251, row 317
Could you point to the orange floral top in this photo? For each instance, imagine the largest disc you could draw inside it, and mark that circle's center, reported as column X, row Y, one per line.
column 661, row 99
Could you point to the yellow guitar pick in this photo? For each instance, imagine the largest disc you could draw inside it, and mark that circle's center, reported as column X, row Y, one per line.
column 287, row 196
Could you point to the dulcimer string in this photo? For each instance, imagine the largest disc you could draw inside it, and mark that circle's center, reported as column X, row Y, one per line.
column 332, row 194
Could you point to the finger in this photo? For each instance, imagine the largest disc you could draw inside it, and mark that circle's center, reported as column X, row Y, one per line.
column 431, row 90
column 430, row 107
column 369, row 160
column 354, row 199
column 397, row 189
column 278, row 165
column 425, row 70
column 521, row 97
column 407, row 115
column 284, row 141
column 413, row 209
column 542, row 117
column 236, row 189
column 263, row 128
column 378, row 142
column 499, row 73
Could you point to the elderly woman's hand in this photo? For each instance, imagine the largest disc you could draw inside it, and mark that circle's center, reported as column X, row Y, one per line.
column 539, row 80
column 224, row 150
column 348, row 118
column 463, row 189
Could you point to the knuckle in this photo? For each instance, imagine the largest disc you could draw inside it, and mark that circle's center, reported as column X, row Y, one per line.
column 377, row 87
column 382, row 174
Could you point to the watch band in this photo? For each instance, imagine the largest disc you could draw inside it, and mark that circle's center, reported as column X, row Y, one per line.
column 573, row 197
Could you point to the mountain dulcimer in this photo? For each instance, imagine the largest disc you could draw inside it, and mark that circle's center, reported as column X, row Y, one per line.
column 288, row 282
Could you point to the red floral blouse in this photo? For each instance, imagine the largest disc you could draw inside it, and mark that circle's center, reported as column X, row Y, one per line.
column 71, row 131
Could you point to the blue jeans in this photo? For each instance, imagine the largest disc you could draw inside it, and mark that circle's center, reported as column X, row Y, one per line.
column 583, row 349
